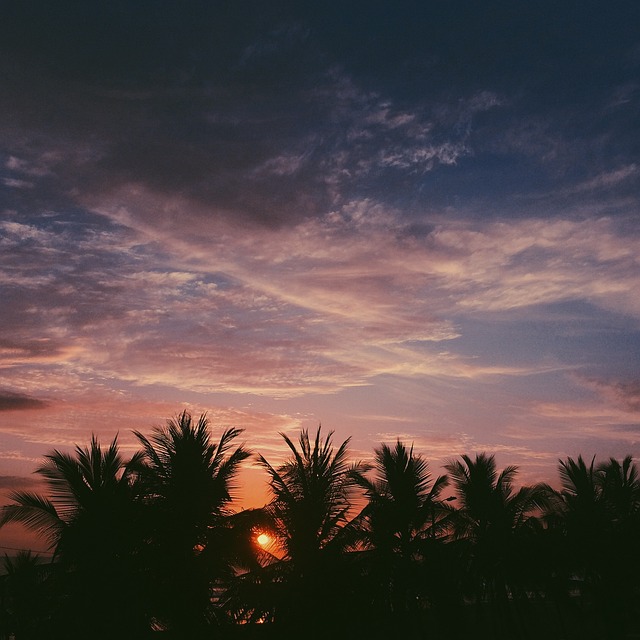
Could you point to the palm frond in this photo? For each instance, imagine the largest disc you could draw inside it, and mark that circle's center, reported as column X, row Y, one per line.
column 36, row 513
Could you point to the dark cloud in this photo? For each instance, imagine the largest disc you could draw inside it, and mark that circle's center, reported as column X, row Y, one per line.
column 18, row 402
column 273, row 112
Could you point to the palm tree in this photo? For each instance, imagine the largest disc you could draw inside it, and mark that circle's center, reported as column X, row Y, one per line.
column 493, row 518
column 583, row 517
column 581, row 494
column 187, row 480
column 600, row 514
column 403, row 518
column 312, row 495
column 404, row 505
column 619, row 484
column 89, row 520
column 21, row 597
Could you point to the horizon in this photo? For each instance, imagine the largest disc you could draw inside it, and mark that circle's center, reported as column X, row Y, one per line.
column 16, row 534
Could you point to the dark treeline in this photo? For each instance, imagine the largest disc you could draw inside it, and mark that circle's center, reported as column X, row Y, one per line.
column 151, row 546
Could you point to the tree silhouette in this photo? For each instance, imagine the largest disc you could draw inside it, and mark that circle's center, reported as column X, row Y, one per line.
column 583, row 515
column 187, row 480
column 312, row 495
column 152, row 544
column 399, row 526
column 600, row 513
column 493, row 518
column 619, row 485
column 25, row 598
column 90, row 521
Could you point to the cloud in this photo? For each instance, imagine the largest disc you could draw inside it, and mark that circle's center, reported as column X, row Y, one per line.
column 10, row 401
column 292, row 216
column 528, row 262
column 604, row 180
column 274, row 160
column 624, row 393
column 20, row 483
column 14, row 183
column 328, row 303
column 609, row 179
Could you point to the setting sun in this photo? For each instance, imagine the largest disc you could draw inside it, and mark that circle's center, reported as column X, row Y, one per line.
column 264, row 540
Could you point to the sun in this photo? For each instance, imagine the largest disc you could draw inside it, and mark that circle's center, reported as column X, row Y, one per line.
column 264, row 540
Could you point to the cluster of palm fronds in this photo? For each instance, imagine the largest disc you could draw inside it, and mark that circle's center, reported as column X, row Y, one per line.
column 151, row 546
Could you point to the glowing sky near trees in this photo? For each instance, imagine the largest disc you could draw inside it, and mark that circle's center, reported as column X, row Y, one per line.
column 396, row 219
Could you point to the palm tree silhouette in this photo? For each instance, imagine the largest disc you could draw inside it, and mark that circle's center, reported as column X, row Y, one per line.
column 152, row 542
column 600, row 513
column 403, row 518
column 619, row 485
column 583, row 517
column 312, row 495
column 493, row 518
column 188, row 481
column 25, row 597
column 90, row 521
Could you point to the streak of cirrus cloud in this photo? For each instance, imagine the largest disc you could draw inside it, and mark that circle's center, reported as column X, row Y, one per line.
column 284, row 225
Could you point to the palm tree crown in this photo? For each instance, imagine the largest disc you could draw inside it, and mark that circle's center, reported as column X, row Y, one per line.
column 311, row 494
column 188, row 477
column 90, row 500
column 187, row 483
column 404, row 505
column 488, row 500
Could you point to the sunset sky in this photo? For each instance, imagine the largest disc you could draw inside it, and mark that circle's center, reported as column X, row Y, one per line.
column 397, row 219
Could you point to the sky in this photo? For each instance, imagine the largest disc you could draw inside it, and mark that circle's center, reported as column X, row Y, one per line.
column 414, row 220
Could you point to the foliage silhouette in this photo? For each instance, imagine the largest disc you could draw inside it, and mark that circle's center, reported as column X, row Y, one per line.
column 312, row 496
column 91, row 522
column 151, row 547
column 187, row 483
column 599, row 511
column 23, row 601
column 494, row 520
column 402, row 520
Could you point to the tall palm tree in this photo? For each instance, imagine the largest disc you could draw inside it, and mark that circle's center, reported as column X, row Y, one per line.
column 600, row 515
column 312, row 494
column 188, row 482
column 583, row 516
column 493, row 518
column 619, row 484
column 86, row 492
column 89, row 520
column 582, row 495
column 400, row 524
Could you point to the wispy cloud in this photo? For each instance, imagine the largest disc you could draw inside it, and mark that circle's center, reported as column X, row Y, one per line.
column 15, row 183
column 325, row 304
column 623, row 393
column 17, row 482
column 605, row 180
